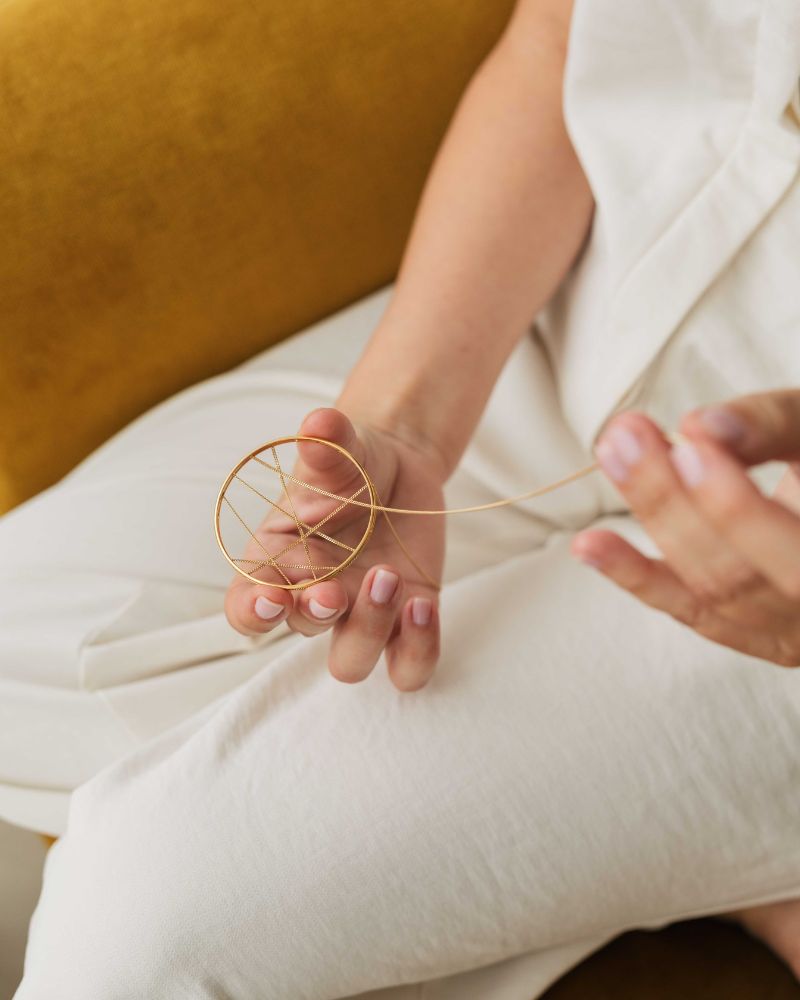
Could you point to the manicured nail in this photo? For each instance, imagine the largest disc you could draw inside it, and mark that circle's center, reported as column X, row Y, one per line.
column 610, row 461
column 618, row 450
column 722, row 424
column 267, row 609
column 319, row 610
column 589, row 560
column 421, row 609
column 383, row 586
column 688, row 463
column 626, row 444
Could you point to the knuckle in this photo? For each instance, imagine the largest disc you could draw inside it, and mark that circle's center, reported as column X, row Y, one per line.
column 375, row 627
column 730, row 505
column 725, row 587
column 706, row 590
column 637, row 580
column 653, row 495
column 696, row 614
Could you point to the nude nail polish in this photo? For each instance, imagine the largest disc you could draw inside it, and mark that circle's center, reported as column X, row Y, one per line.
column 421, row 610
column 319, row 610
column 722, row 424
column 383, row 586
column 626, row 444
column 267, row 609
column 611, row 462
column 688, row 463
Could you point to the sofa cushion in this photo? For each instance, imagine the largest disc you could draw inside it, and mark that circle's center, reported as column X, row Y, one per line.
column 185, row 183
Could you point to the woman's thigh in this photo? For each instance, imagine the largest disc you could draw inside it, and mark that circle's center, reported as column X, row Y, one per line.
column 111, row 584
column 579, row 764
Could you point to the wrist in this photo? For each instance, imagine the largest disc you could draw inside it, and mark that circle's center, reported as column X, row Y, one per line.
column 396, row 411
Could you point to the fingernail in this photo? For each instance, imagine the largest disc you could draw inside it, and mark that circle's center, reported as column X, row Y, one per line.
column 626, row 444
column 618, row 450
column 688, row 463
column 267, row 609
column 383, row 586
column 722, row 424
column 588, row 560
column 610, row 461
column 319, row 610
column 421, row 609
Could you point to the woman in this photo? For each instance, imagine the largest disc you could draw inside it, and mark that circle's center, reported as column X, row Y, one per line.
column 563, row 763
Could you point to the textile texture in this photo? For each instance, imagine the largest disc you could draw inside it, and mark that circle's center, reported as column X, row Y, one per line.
column 185, row 183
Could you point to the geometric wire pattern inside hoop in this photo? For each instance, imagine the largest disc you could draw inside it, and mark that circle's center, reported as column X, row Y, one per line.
column 313, row 533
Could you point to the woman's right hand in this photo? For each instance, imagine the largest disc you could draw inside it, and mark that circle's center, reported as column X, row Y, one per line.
column 380, row 602
column 731, row 566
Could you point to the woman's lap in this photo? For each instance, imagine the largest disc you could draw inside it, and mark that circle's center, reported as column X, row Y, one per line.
column 571, row 770
column 578, row 764
column 111, row 587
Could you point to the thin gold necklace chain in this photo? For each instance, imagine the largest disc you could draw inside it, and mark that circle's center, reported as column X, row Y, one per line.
column 453, row 510
column 380, row 507
column 539, row 491
column 673, row 436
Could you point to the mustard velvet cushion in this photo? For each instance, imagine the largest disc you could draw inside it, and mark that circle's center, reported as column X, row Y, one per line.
column 184, row 183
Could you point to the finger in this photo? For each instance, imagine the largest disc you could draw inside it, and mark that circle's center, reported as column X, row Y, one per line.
column 787, row 492
column 358, row 641
column 654, row 583
column 332, row 425
column 636, row 455
column 412, row 654
column 649, row 580
column 317, row 608
column 252, row 609
column 757, row 428
column 762, row 530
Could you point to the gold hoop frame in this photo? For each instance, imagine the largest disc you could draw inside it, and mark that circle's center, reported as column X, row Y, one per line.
column 355, row 550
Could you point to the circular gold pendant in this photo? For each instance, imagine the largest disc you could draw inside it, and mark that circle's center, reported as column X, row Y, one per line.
column 290, row 542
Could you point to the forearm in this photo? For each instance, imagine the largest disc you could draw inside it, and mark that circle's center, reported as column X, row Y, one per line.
column 504, row 211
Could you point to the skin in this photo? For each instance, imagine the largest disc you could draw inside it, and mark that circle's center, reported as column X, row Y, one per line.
column 504, row 212
column 731, row 556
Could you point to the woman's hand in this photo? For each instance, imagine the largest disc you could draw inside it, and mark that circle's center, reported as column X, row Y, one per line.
column 731, row 567
column 380, row 601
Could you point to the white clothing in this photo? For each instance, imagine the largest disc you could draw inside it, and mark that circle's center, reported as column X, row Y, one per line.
column 247, row 826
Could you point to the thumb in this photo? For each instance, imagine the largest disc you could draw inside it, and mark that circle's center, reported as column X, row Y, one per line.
column 760, row 427
column 332, row 425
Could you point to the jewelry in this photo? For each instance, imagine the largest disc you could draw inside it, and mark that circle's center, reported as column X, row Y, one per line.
column 250, row 485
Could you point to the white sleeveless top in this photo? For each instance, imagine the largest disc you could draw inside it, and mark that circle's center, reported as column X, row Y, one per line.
column 685, row 115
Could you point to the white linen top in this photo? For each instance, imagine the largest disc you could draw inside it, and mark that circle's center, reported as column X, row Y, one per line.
column 686, row 118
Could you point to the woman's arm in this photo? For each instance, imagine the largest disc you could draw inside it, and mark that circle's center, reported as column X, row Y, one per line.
column 504, row 211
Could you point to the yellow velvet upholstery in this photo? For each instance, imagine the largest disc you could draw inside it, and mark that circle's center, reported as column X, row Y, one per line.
column 186, row 182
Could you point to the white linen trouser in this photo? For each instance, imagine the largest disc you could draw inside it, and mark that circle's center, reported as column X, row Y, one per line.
column 246, row 826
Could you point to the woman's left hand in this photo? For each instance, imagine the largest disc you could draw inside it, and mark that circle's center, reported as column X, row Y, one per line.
column 731, row 566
